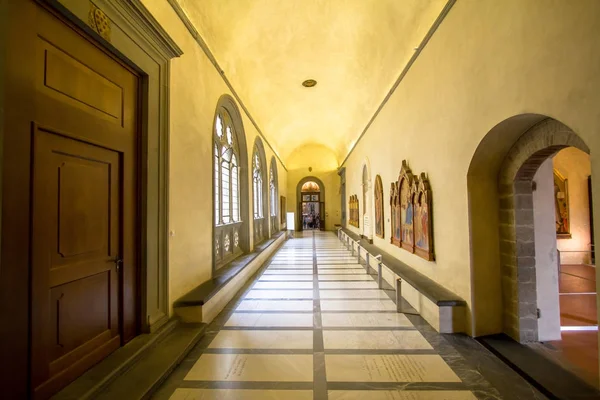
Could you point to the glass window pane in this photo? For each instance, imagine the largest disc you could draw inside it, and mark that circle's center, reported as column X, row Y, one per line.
column 235, row 199
column 225, row 189
column 229, row 135
column 255, row 196
column 217, row 193
column 219, row 126
column 273, row 210
column 226, row 153
column 260, row 197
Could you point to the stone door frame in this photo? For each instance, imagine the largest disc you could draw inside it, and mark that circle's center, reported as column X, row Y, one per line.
column 517, row 240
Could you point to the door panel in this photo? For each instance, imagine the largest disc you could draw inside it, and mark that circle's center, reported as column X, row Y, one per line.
column 76, row 235
column 322, row 215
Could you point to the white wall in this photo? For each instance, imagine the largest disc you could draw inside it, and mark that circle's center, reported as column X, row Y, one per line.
column 546, row 259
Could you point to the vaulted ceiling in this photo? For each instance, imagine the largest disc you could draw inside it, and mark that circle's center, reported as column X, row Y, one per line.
column 354, row 49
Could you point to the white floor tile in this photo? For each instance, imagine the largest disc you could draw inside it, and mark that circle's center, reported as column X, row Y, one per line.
column 279, row 294
column 252, row 368
column 388, row 368
column 358, row 305
column 375, row 340
column 271, row 320
column 283, row 285
column 275, row 305
column 262, row 339
column 364, row 320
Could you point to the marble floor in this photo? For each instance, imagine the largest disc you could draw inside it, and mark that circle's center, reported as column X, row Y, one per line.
column 314, row 325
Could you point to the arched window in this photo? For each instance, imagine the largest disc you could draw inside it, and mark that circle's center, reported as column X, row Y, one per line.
column 227, row 193
column 229, row 162
column 259, row 192
column 273, row 197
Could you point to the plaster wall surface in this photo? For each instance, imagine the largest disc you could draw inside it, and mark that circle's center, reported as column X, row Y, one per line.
column 195, row 89
column 574, row 165
column 546, row 258
column 487, row 62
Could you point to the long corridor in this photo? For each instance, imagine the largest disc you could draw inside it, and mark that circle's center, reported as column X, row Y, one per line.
column 314, row 325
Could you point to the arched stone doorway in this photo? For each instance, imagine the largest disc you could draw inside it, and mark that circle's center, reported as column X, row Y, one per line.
column 501, row 217
column 310, row 195
column 517, row 233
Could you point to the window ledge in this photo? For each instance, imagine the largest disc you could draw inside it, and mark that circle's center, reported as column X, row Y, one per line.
column 228, row 224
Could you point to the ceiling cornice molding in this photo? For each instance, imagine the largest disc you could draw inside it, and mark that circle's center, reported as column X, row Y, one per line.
column 198, row 38
column 409, row 64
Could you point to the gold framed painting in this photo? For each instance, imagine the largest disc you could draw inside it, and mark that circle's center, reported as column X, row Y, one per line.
column 561, row 206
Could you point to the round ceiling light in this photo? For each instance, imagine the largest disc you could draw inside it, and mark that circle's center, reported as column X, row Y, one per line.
column 309, row 83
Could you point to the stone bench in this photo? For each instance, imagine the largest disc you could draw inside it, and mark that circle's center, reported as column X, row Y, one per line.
column 441, row 308
column 205, row 302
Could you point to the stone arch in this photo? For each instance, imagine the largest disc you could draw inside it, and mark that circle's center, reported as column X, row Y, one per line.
column 299, row 197
column 517, row 233
column 502, row 248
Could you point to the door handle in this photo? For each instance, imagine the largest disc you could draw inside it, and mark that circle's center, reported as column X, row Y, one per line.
column 118, row 263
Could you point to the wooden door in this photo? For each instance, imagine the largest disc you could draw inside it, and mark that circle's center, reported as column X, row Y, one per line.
column 84, row 141
column 76, row 257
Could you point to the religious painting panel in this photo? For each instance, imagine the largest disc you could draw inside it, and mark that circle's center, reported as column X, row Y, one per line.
column 406, row 192
column 395, row 214
column 357, row 218
column 353, row 203
column 423, row 225
column 561, row 206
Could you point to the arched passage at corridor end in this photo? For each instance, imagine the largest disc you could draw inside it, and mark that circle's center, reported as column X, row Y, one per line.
column 299, row 218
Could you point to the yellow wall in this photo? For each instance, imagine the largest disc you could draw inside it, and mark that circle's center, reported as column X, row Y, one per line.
column 488, row 61
column 574, row 165
column 195, row 89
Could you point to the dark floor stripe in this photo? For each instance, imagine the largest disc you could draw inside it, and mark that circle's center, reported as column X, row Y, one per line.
column 247, row 385
column 319, row 373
